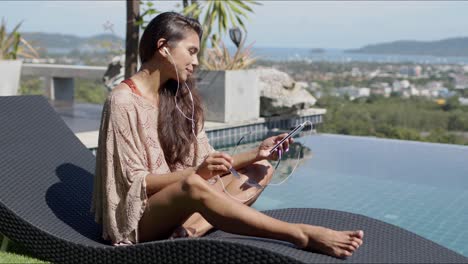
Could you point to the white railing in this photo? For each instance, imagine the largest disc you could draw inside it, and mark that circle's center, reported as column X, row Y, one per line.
column 59, row 80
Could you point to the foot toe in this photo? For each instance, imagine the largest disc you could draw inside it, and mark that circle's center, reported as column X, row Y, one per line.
column 360, row 234
column 346, row 253
column 347, row 247
column 357, row 233
column 357, row 240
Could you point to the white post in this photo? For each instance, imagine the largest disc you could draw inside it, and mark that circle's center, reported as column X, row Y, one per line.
column 49, row 87
column 5, row 242
column 10, row 72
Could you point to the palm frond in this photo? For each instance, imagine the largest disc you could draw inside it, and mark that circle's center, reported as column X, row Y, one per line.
column 32, row 54
column 223, row 15
column 219, row 58
column 10, row 44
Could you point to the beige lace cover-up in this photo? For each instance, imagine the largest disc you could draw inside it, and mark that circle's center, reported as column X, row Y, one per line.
column 128, row 150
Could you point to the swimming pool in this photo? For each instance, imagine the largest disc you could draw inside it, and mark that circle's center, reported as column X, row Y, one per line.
column 421, row 187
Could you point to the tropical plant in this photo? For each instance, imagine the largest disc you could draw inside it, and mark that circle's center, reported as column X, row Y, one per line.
column 10, row 48
column 224, row 14
column 219, row 58
column 147, row 10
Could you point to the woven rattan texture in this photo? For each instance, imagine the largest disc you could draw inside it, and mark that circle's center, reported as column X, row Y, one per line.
column 46, row 177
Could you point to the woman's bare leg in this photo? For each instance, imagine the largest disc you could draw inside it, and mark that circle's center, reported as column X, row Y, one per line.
column 171, row 206
column 261, row 172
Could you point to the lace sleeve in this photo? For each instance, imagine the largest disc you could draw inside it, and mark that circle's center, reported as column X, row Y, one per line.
column 204, row 147
column 123, row 184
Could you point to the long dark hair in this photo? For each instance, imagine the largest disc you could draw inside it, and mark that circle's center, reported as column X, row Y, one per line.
column 174, row 130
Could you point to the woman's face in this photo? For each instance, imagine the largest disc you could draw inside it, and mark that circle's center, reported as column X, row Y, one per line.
column 184, row 56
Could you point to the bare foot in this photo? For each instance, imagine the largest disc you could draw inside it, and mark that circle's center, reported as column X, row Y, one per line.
column 339, row 244
column 196, row 227
column 181, row 232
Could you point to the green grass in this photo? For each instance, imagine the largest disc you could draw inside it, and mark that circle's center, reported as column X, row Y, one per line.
column 7, row 257
column 16, row 253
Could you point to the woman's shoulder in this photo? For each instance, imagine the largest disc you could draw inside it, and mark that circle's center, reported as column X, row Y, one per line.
column 121, row 95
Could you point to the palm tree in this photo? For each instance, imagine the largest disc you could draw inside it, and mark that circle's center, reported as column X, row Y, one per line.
column 226, row 14
column 132, row 37
column 10, row 47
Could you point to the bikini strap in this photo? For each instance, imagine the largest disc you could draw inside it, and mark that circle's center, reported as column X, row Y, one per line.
column 132, row 86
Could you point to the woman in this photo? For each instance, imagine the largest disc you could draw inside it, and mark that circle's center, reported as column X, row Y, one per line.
column 156, row 174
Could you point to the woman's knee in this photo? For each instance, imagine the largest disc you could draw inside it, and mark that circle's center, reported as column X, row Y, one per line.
column 264, row 172
column 195, row 186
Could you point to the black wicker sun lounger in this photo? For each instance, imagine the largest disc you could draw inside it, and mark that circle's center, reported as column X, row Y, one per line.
column 46, row 177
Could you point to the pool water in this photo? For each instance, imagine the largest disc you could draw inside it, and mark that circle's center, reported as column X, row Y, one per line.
column 421, row 187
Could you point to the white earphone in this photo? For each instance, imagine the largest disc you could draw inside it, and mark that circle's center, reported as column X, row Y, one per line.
column 167, row 51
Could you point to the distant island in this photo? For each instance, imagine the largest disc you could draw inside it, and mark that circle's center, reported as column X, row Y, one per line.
column 317, row 50
column 446, row 47
column 54, row 43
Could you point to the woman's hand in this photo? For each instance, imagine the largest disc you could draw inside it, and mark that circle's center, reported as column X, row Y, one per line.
column 215, row 164
column 269, row 143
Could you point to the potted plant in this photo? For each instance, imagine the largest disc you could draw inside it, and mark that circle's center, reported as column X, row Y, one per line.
column 226, row 83
column 10, row 65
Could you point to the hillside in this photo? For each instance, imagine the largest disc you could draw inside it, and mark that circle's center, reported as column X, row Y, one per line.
column 64, row 43
column 445, row 47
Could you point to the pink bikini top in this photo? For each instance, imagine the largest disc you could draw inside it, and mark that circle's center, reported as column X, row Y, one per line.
column 132, row 86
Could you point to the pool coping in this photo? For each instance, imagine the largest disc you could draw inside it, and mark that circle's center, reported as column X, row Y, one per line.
column 226, row 134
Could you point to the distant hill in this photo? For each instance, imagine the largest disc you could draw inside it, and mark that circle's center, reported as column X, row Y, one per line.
column 445, row 47
column 64, row 43
column 317, row 50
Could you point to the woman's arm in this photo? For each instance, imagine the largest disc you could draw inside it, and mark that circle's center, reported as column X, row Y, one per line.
column 245, row 158
column 157, row 182
column 261, row 152
column 214, row 164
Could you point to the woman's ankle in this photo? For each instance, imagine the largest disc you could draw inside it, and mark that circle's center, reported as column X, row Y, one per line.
column 300, row 238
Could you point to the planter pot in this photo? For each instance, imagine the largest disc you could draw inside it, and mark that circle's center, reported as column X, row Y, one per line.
column 230, row 96
column 10, row 72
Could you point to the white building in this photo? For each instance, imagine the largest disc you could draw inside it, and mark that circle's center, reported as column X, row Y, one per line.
column 353, row 92
column 425, row 92
column 461, row 81
column 413, row 91
column 398, row 86
column 463, row 100
column 405, row 84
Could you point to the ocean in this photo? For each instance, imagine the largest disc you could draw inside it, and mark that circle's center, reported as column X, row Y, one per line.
column 340, row 56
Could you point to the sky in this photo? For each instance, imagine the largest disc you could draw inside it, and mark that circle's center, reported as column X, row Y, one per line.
column 299, row 24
